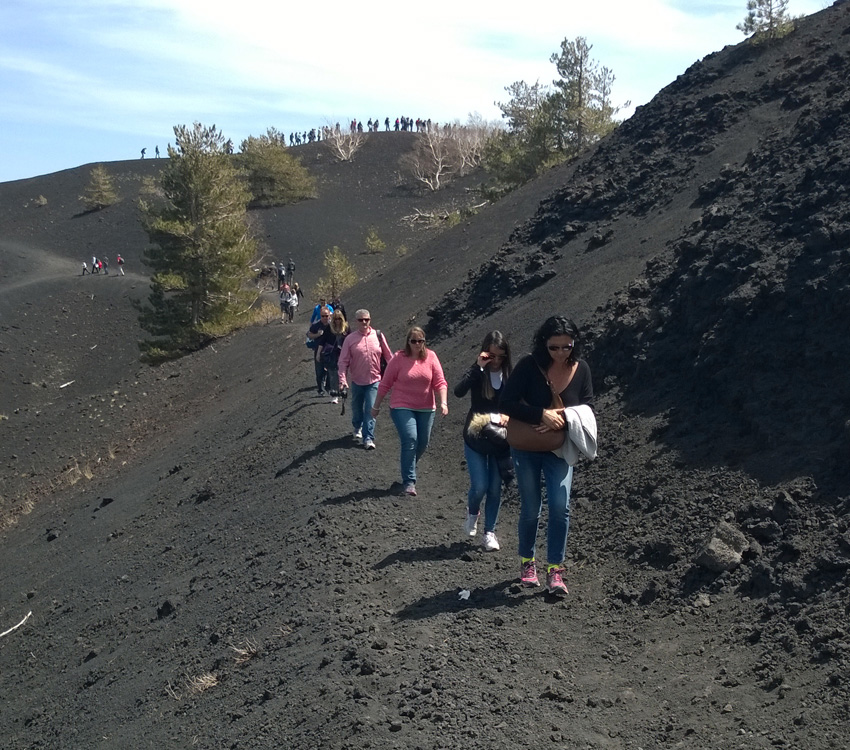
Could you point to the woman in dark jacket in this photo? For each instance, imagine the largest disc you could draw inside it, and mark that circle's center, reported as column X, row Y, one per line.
column 552, row 369
column 486, row 450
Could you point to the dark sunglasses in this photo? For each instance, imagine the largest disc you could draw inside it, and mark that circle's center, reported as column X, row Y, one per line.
column 560, row 348
column 416, row 341
column 364, row 320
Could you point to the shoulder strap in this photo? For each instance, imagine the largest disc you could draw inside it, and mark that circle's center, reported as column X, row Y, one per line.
column 557, row 403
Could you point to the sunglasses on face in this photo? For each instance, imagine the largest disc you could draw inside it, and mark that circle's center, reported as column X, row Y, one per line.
column 566, row 348
column 364, row 320
column 416, row 341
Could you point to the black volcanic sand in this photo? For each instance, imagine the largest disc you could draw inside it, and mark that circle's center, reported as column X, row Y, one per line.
column 237, row 573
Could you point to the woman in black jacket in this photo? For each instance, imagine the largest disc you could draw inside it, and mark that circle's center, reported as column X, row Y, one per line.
column 486, row 450
column 551, row 372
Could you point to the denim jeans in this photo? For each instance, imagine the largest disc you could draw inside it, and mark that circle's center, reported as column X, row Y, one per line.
column 362, row 401
column 558, row 476
column 484, row 479
column 414, row 432
column 323, row 381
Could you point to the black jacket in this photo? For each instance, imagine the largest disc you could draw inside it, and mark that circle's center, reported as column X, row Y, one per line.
column 527, row 394
column 472, row 382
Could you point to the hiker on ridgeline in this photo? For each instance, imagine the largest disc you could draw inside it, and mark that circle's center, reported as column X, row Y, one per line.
column 414, row 375
column 120, row 262
column 320, row 334
column 144, row 151
column 360, row 360
column 156, row 152
column 543, row 387
column 485, row 445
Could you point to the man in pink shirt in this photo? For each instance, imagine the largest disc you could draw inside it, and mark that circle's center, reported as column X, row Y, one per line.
column 360, row 359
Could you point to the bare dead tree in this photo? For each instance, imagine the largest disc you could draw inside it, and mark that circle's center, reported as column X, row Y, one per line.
column 342, row 143
column 471, row 139
column 434, row 158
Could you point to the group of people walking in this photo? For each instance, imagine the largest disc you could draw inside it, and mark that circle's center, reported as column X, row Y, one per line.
column 99, row 265
column 527, row 423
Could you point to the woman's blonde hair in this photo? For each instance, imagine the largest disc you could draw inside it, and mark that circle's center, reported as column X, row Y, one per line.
column 339, row 325
column 420, row 334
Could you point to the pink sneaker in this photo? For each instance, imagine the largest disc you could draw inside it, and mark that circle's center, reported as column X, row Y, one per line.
column 554, row 583
column 528, row 574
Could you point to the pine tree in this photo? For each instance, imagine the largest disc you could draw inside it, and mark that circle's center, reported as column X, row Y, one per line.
column 374, row 244
column 201, row 244
column 275, row 176
column 339, row 275
column 100, row 192
column 549, row 125
column 766, row 20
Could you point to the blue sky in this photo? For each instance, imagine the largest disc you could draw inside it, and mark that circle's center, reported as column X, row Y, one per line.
column 99, row 80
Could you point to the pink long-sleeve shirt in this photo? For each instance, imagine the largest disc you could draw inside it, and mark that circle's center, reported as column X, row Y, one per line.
column 413, row 382
column 360, row 358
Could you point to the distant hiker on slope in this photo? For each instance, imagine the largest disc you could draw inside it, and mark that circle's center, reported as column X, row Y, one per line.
column 85, row 268
column 285, row 302
column 414, row 375
column 120, row 262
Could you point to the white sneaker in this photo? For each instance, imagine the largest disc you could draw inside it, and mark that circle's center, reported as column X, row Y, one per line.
column 369, row 445
column 471, row 525
column 358, row 434
column 490, row 543
column 334, row 400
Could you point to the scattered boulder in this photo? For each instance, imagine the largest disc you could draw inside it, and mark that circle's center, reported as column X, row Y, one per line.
column 725, row 550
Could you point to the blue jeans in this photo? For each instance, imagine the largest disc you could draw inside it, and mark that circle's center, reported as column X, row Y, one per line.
column 414, row 432
column 558, row 475
column 484, row 479
column 362, row 401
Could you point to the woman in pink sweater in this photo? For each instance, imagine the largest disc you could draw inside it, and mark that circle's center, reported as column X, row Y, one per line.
column 413, row 375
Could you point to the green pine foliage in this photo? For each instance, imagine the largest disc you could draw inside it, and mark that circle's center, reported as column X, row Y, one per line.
column 275, row 177
column 766, row 20
column 201, row 245
column 100, row 192
column 339, row 275
column 374, row 244
column 547, row 125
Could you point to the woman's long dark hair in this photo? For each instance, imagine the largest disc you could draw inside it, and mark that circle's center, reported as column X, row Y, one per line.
column 557, row 325
column 498, row 340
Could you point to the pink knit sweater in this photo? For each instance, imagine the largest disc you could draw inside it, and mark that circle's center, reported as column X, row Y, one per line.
column 413, row 382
